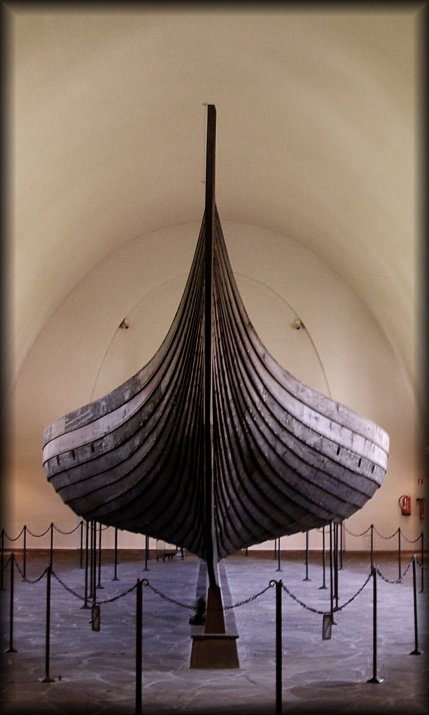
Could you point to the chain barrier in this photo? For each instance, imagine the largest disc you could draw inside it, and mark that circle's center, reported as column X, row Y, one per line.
column 6, row 564
column 37, row 536
column 340, row 608
column 65, row 533
column 351, row 533
column 67, row 588
column 244, row 602
column 9, row 538
column 386, row 537
column 145, row 582
column 411, row 541
column 116, row 598
column 105, row 526
column 421, row 565
column 301, row 603
column 318, row 611
column 24, row 577
column 251, row 598
column 357, row 535
column 397, row 580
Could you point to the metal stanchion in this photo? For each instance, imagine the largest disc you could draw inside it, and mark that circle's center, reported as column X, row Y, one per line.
column 93, row 570
column 416, row 650
column 139, row 646
column 51, row 546
column 340, row 564
column 323, row 586
column 374, row 678
column 279, row 585
column 24, row 554
column 336, row 564
column 115, row 567
column 372, row 545
column 277, row 547
column 100, row 528
column 11, row 649
column 331, row 573
column 146, row 551
column 47, row 678
column 422, row 555
column 2, row 561
column 85, row 603
column 399, row 554
column 306, row 558
column 81, row 545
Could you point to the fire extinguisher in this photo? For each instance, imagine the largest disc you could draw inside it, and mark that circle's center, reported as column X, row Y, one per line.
column 404, row 502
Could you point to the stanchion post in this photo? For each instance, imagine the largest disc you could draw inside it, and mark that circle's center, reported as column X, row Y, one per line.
column 331, row 573
column 279, row 647
column 279, row 568
column 100, row 528
column 24, row 554
column 340, row 566
column 371, row 529
column 422, row 555
column 51, row 546
column 81, row 545
column 139, row 646
column 146, row 550
column 336, row 564
column 374, row 678
column 306, row 558
column 85, row 603
column 93, row 571
column 323, row 586
column 416, row 650
column 11, row 649
column 115, row 564
column 47, row 678
column 399, row 554
column 2, row 561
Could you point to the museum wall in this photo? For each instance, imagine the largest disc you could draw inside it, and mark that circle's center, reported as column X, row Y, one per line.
column 82, row 353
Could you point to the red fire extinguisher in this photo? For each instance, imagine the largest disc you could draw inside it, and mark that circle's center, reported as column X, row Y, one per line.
column 404, row 502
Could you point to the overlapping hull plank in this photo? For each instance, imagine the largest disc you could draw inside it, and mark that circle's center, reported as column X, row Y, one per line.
column 283, row 458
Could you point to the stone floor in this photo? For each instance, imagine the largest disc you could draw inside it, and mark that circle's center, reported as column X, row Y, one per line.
column 93, row 672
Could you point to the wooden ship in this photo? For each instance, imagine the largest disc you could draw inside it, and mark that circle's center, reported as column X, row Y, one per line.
column 212, row 445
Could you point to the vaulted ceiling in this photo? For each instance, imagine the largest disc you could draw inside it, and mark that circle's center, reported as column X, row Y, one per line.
column 318, row 138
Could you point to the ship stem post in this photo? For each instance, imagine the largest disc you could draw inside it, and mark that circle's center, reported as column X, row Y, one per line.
column 214, row 613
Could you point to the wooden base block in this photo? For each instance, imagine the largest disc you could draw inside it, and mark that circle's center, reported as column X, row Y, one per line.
column 213, row 650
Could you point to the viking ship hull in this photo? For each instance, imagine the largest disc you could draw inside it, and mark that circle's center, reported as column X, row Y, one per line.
column 261, row 456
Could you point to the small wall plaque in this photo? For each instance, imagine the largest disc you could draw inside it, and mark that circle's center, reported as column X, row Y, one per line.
column 327, row 626
column 95, row 618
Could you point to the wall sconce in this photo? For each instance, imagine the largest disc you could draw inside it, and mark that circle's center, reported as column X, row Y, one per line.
column 124, row 325
column 298, row 324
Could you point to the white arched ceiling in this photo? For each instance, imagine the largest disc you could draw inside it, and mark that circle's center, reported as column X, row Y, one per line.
column 317, row 140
